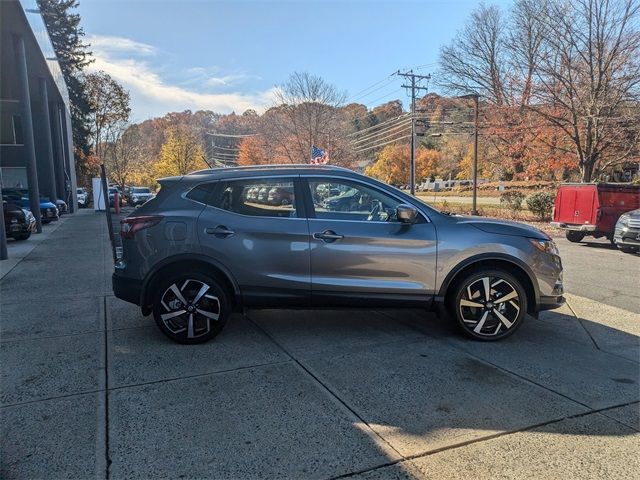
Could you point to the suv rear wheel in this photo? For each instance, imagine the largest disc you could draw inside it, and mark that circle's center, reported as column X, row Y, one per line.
column 489, row 304
column 191, row 307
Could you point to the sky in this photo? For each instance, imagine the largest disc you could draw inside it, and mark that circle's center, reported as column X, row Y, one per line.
column 226, row 56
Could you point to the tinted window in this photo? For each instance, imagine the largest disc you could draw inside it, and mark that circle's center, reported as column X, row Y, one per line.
column 141, row 190
column 202, row 193
column 255, row 197
column 338, row 199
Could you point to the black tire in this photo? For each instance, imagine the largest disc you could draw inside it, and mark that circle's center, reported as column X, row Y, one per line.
column 166, row 303
column 627, row 249
column 21, row 236
column 494, row 319
column 574, row 236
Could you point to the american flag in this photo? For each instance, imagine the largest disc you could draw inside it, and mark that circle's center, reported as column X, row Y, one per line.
column 318, row 156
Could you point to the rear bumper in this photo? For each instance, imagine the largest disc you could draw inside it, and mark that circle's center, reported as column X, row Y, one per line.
column 573, row 227
column 127, row 289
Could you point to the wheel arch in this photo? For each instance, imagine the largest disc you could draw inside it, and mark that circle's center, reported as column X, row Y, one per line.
column 510, row 264
column 178, row 263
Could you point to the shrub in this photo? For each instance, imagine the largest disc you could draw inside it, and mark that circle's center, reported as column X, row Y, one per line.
column 541, row 204
column 513, row 200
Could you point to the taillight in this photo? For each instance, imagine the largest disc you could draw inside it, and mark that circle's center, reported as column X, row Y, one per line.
column 131, row 225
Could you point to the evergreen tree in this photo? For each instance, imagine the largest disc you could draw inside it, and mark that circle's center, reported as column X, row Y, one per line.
column 73, row 56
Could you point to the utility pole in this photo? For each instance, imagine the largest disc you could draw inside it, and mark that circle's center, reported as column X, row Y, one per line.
column 414, row 86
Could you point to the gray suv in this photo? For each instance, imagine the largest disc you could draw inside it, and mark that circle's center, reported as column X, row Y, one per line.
column 206, row 245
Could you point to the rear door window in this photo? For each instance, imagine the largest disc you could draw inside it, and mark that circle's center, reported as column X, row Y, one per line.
column 273, row 197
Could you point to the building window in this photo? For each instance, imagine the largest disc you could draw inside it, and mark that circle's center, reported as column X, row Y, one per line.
column 11, row 129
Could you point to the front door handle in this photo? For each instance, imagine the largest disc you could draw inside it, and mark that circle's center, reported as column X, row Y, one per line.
column 219, row 231
column 328, row 236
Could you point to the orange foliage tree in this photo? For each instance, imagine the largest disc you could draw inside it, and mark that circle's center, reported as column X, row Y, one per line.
column 392, row 164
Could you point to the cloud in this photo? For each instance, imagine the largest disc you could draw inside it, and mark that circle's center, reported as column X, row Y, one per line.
column 106, row 43
column 211, row 77
column 152, row 95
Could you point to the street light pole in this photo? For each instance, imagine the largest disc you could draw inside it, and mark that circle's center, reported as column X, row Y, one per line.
column 475, row 97
column 474, row 209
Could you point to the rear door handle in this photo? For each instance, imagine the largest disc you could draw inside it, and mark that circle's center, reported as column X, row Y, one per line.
column 328, row 236
column 219, row 231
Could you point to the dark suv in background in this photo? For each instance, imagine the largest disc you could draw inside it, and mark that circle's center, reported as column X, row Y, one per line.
column 206, row 245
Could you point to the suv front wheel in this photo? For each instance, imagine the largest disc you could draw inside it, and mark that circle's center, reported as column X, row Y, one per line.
column 489, row 304
column 191, row 308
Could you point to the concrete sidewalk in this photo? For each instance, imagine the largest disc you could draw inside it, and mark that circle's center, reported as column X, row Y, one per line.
column 90, row 388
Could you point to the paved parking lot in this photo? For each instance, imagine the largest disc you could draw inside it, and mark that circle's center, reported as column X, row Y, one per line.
column 90, row 388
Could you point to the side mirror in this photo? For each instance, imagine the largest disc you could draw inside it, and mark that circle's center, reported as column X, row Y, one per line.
column 406, row 213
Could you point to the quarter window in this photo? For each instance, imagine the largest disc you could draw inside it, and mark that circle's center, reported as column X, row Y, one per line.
column 258, row 198
column 337, row 199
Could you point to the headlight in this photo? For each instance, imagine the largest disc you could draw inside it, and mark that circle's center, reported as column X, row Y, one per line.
column 547, row 246
column 624, row 220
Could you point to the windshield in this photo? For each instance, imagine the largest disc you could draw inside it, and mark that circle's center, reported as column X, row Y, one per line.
column 141, row 190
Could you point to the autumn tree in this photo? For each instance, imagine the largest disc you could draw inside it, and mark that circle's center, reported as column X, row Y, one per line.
column 123, row 153
column 588, row 81
column 569, row 65
column 392, row 164
column 66, row 34
column 181, row 153
column 110, row 109
column 308, row 114
column 254, row 151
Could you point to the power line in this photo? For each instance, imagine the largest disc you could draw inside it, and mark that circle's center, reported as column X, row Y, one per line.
column 403, row 124
column 399, row 117
column 227, row 135
column 382, row 144
column 360, row 97
column 359, row 94
column 372, row 141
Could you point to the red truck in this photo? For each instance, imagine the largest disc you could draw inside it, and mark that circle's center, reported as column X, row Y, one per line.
column 593, row 208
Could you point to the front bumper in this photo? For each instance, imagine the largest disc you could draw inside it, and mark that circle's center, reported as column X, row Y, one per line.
column 627, row 237
column 19, row 228
column 550, row 302
column 127, row 289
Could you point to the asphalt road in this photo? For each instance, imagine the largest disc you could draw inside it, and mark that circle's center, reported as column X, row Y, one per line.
column 595, row 269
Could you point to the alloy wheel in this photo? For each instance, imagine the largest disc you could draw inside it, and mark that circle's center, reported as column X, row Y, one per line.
column 188, row 308
column 489, row 306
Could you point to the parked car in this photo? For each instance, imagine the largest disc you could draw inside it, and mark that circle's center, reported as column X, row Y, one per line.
column 20, row 196
column 280, row 196
column 593, row 209
column 112, row 196
column 18, row 222
column 61, row 206
column 198, row 251
column 83, row 197
column 627, row 232
column 139, row 195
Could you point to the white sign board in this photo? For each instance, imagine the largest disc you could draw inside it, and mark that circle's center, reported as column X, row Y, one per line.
column 99, row 203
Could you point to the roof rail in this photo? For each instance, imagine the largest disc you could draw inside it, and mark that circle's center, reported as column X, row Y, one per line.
column 269, row 167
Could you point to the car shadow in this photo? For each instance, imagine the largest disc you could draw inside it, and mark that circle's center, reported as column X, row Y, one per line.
column 410, row 382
